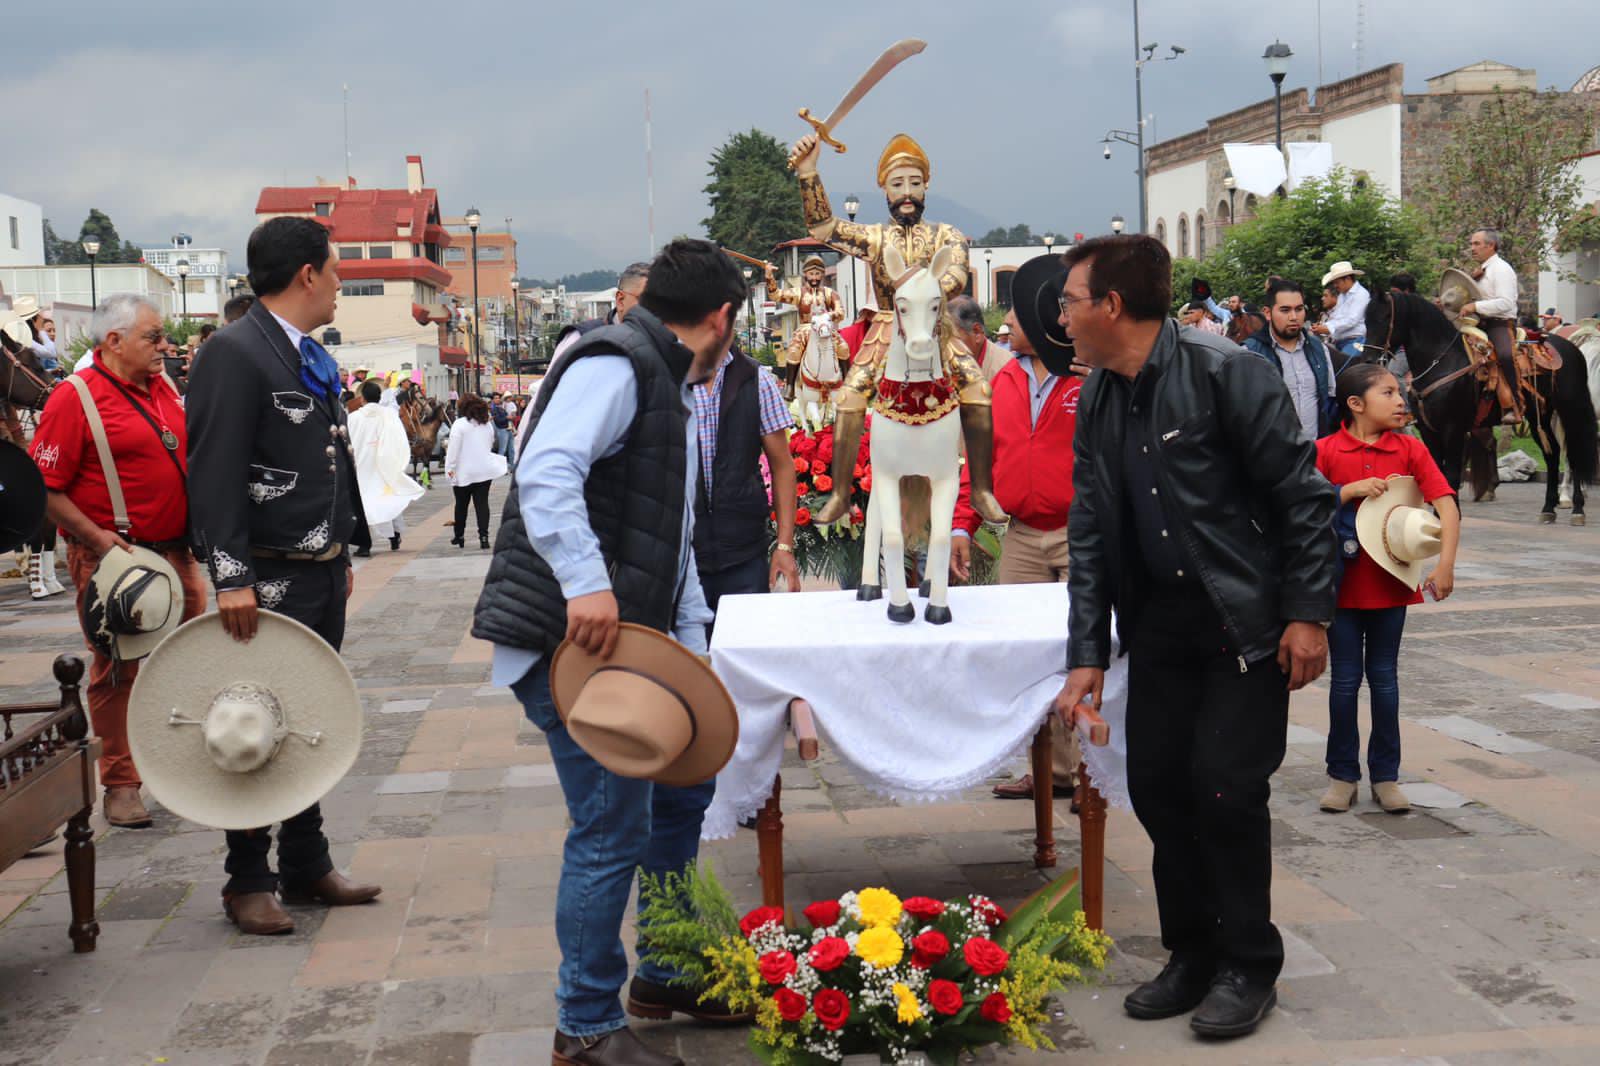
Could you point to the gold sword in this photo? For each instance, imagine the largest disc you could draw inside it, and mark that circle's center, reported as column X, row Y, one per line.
column 896, row 54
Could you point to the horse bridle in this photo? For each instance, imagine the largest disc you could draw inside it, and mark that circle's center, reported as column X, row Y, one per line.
column 14, row 365
column 1417, row 398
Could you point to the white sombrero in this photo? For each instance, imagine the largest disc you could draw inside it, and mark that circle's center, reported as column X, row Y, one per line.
column 1341, row 269
column 133, row 601
column 238, row 736
column 1398, row 531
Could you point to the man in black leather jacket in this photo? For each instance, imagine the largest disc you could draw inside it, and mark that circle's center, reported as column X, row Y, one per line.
column 1199, row 516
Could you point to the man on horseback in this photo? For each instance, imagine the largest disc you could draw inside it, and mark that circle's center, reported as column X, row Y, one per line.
column 1496, row 310
column 812, row 297
column 903, row 171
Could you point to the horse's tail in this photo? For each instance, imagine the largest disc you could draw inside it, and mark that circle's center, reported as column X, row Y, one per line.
column 1481, row 461
column 1575, row 409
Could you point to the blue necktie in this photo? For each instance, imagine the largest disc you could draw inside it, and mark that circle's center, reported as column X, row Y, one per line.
column 317, row 369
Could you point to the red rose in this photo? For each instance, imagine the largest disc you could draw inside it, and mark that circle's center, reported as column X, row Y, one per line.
column 829, row 953
column 802, row 516
column 985, row 956
column 775, row 966
column 818, row 467
column 791, row 1004
column 923, row 908
column 824, row 483
column 991, row 911
column 929, row 949
column 825, row 449
column 856, row 516
column 945, row 996
column 866, row 482
column 859, row 471
column 796, row 441
column 996, row 1009
column 805, row 449
column 822, row 913
column 759, row 917
column 800, row 465
column 832, row 1008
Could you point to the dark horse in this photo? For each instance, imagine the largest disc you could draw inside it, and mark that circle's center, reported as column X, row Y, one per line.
column 1445, row 393
column 1245, row 324
column 23, row 383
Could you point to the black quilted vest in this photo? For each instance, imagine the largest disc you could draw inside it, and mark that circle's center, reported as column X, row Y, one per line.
column 635, row 501
column 730, row 518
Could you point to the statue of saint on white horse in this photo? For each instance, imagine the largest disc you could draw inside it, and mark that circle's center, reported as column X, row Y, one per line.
column 820, row 373
column 916, row 432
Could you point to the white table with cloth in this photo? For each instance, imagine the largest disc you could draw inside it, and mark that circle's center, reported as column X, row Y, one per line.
column 919, row 712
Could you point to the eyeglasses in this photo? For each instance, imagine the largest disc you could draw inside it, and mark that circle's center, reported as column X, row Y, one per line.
column 1065, row 302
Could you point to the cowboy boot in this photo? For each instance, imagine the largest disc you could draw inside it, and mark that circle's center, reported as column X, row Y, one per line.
column 791, row 374
column 977, row 429
column 48, row 566
column 36, row 586
column 847, row 428
column 1510, row 415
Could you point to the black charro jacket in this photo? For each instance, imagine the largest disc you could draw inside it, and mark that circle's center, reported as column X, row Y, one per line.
column 1240, row 484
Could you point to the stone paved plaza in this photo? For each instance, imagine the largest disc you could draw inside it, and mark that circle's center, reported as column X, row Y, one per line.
column 1464, row 934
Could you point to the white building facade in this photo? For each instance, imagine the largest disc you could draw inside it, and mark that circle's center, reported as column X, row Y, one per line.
column 207, row 280
column 1572, row 285
column 54, row 286
column 21, row 232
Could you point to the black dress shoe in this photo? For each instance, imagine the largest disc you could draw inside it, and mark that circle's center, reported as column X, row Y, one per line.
column 646, row 999
column 1180, row 987
column 1234, row 1006
column 617, row 1048
column 394, row 543
column 483, row 540
column 363, row 553
column 458, row 542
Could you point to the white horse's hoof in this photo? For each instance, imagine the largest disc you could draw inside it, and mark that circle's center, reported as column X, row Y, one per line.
column 903, row 612
column 936, row 615
column 1565, row 503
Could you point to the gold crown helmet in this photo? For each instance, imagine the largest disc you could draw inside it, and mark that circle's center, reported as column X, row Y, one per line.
column 813, row 261
column 902, row 150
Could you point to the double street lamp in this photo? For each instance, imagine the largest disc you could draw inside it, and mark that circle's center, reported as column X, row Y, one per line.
column 183, row 286
column 473, row 219
column 1277, row 60
column 91, row 248
column 1136, row 136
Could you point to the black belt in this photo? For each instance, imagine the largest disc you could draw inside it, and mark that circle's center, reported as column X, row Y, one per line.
column 327, row 555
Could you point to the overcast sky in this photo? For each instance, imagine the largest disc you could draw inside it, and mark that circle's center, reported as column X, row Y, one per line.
column 171, row 115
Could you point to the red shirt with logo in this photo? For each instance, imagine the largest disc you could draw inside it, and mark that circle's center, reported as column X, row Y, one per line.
column 152, row 486
column 1343, row 457
column 1032, row 462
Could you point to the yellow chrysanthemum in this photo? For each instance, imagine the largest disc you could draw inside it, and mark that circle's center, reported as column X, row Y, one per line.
column 881, row 947
column 907, row 1009
column 879, row 907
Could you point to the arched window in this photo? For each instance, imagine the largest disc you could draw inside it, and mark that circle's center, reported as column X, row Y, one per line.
column 1199, row 234
column 1161, row 231
column 1183, row 236
column 1250, row 206
column 1002, row 285
column 1224, row 217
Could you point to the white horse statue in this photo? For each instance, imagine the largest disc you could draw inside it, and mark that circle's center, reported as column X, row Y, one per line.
column 916, row 432
column 819, row 374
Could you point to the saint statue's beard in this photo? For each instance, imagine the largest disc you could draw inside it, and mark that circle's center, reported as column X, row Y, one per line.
column 899, row 217
column 810, row 284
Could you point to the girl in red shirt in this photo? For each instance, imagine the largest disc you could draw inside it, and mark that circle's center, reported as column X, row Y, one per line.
column 1358, row 458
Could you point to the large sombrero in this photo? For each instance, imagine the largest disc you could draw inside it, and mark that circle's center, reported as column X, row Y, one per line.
column 1341, row 269
column 238, row 736
column 652, row 710
column 1036, row 299
column 1398, row 531
column 133, row 600
column 22, row 497
column 1456, row 290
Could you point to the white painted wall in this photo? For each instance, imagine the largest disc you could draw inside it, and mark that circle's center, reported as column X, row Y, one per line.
column 1170, row 194
column 70, row 284
column 27, row 218
column 1575, row 299
column 1368, row 141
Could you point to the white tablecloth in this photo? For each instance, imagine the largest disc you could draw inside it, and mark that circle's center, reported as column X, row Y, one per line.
column 918, row 711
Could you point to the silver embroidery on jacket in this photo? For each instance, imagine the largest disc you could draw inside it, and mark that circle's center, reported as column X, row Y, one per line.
column 295, row 405
column 271, row 593
column 315, row 540
column 226, row 566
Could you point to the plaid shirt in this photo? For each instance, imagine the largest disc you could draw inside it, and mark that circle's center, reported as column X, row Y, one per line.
column 708, row 411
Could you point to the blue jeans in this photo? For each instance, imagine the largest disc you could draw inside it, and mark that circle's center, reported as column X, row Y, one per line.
column 619, row 824
column 505, row 442
column 1351, row 348
column 1365, row 641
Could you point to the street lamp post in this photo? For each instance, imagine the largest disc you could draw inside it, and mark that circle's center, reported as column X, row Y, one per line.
column 852, row 204
column 1049, row 242
column 1117, row 223
column 473, row 218
column 1136, row 137
column 750, row 313
column 183, row 286
column 988, row 274
column 1230, row 183
column 1277, row 60
column 516, row 336
column 91, row 248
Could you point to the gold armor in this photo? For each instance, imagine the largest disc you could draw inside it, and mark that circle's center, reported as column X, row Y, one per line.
column 811, row 302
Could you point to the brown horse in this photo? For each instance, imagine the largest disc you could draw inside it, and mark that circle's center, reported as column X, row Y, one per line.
column 1244, row 324
column 422, row 418
column 23, row 383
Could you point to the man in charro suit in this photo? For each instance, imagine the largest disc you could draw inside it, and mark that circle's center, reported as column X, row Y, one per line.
column 274, row 513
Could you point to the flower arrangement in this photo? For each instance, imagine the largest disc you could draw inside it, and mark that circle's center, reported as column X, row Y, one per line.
column 828, row 551
column 870, row 972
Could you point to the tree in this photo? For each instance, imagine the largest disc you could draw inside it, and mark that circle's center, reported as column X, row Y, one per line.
column 1001, row 237
column 1302, row 234
column 1512, row 166
column 755, row 201
column 588, row 281
column 53, row 245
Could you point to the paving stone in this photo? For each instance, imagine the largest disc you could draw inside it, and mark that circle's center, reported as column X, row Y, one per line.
column 1436, row 797
column 404, row 706
column 1479, row 734
column 152, row 901
column 512, row 1049
column 411, row 784
column 1565, row 701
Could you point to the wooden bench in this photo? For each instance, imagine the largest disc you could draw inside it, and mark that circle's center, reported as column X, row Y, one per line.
column 47, row 762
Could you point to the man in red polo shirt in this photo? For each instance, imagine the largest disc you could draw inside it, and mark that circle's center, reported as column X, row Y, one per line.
column 1035, row 414
column 144, row 426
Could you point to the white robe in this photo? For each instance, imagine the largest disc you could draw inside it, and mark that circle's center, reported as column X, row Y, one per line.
column 382, row 454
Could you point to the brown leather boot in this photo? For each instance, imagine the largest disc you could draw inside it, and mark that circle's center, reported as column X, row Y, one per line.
column 125, row 810
column 977, row 430
column 332, row 889
column 791, row 374
column 257, row 913
column 847, row 429
column 617, row 1048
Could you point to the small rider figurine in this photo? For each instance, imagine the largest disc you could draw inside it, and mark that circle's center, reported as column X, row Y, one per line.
column 812, row 298
column 903, row 171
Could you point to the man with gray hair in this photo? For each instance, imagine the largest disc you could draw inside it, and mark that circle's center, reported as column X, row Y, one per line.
column 1496, row 308
column 967, row 318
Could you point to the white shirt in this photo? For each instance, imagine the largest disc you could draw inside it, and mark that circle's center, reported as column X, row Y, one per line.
column 1348, row 320
column 469, row 457
column 1499, row 288
column 293, row 331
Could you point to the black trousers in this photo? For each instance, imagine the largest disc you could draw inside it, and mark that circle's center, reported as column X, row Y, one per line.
column 1203, row 741
column 313, row 594
column 1501, row 336
column 479, row 495
column 749, row 576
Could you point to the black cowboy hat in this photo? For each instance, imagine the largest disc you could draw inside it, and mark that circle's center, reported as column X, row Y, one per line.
column 22, row 497
column 1036, row 299
column 1200, row 290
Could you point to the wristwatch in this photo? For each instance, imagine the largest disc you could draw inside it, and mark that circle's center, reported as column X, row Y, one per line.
column 782, row 547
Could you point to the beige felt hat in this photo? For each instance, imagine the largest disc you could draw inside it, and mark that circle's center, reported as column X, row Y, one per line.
column 1456, row 290
column 25, row 307
column 653, row 710
column 134, row 599
column 238, row 736
column 1398, row 531
column 1341, row 269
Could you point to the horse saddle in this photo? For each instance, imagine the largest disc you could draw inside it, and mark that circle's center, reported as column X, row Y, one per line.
column 1529, row 357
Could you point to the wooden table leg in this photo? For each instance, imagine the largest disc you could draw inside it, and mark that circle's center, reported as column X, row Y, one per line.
column 1092, row 827
column 1044, row 830
column 769, row 844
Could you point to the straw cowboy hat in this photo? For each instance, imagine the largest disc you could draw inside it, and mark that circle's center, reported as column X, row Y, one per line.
column 25, row 307
column 22, row 497
column 653, row 710
column 1341, row 269
column 263, row 741
column 1456, row 290
column 1398, row 531
column 134, row 599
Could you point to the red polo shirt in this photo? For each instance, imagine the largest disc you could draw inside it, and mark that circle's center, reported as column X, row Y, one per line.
column 1032, row 462
column 152, row 487
column 1343, row 457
